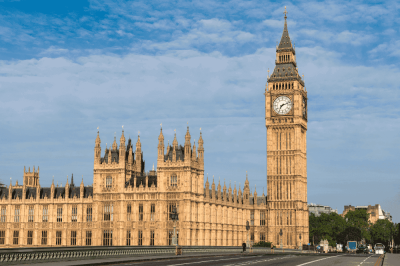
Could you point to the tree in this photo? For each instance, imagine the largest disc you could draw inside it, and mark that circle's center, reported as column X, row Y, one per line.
column 357, row 226
column 327, row 226
column 382, row 232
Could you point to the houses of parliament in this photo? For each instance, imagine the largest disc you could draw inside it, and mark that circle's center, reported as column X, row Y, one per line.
column 128, row 206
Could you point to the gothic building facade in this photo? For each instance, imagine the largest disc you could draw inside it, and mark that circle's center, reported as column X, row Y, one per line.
column 128, row 206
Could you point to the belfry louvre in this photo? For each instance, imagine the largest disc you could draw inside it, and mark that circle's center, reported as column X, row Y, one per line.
column 128, row 206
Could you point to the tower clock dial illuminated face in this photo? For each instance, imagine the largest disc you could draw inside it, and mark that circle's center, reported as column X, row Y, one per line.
column 282, row 105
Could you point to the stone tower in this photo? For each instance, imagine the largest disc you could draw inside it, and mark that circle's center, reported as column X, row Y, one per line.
column 286, row 122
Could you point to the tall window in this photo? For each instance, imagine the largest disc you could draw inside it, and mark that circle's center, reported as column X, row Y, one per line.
column 107, row 237
column 151, row 238
column 2, row 237
column 44, row 237
column 45, row 217
column 30, row 238
column 128, row 237
column 171, row 207
column 262, row 217
column 174, row 180
column 108, row 212
column 15, row 237
column 89, row 213
column 153, row 212
column 252, row 217
column 74, row 215
column 88, row 238
column 140, row 212
column 108, row 182
column 128, row 212
column 73, row 238
column 59, row 214
column 262, row 237
column 3, row 214
column 140, row 237
column 31, row 214
column 16, row 214
column 58, row 238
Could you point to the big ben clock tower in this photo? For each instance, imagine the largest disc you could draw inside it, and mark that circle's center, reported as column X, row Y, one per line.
column 286, row 122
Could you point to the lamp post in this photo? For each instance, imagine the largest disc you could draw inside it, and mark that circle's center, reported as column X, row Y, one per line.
column 281, row 233
column 174, row 217
column 247, row 229
column 301, row 247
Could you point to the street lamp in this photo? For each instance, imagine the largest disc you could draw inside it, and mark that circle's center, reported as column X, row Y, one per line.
column 281, row 233
column 247, row 229
column 301, row 247
column 174, row 217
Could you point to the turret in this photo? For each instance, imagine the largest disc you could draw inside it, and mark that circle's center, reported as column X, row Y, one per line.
column 255, row 195
column 109, row 156
column 115, row 145
column 213, row 189
column 122, row 151
column 97, row 150
column 235, row 194
column 174, row 148
column 187, row 146
column 224, row 192
column 219, row 189
column 67, row 189
column 130, row 154
column 246, row 190
column 52, row 189
column 201, row 150
column 160, row 157
column 240, row 196
column 230, row 193
column 72, row 180
column 207, row 188
column 194, row 153
column 138, row 155
column 82, row 189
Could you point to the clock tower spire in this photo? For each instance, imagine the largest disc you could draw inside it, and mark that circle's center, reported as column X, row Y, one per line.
column 286, row 123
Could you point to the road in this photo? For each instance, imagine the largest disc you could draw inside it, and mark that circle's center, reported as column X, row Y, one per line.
column 258, row 260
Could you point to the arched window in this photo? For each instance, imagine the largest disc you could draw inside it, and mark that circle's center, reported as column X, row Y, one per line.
column 108, row 182
column 174, row 180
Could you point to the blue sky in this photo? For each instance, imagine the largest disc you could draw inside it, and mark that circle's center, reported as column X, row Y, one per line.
column 68, row 68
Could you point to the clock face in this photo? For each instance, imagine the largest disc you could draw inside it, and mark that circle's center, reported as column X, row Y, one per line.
column 282, row 105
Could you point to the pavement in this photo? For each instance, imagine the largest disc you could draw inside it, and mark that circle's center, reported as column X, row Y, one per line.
column 391, row 259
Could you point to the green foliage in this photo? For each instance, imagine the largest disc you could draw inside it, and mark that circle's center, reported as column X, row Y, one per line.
column 262, row 244
column 353, row 227
column 382, row 231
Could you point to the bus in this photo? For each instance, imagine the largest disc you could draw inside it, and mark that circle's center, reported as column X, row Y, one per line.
column 379, row 248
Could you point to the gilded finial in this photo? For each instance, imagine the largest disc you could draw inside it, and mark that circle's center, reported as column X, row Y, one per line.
column 285, row 12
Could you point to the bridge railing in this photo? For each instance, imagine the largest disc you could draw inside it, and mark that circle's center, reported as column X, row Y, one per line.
column 11, row 255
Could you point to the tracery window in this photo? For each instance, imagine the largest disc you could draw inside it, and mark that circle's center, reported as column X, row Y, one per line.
column 152, row 212
column 89, row 213
column 16, row 214
column 30, row 238
column 128, row 237
column 128, row 212
column 152, row 238
column 73, row 238
column 59, row 214
column 45, row 214
column 15, row 237
column 171, row 207
column 74, row 214
column 58, row 238
column 108, row 182
column 140, row 237
column 174, row 180
column 262, row 217
column 31, row 213
column 2, row 237
column 107, row 237
column 108, row 212
column 3, row 214
column 44, row 237
column 140, row 212
column 88, row 238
